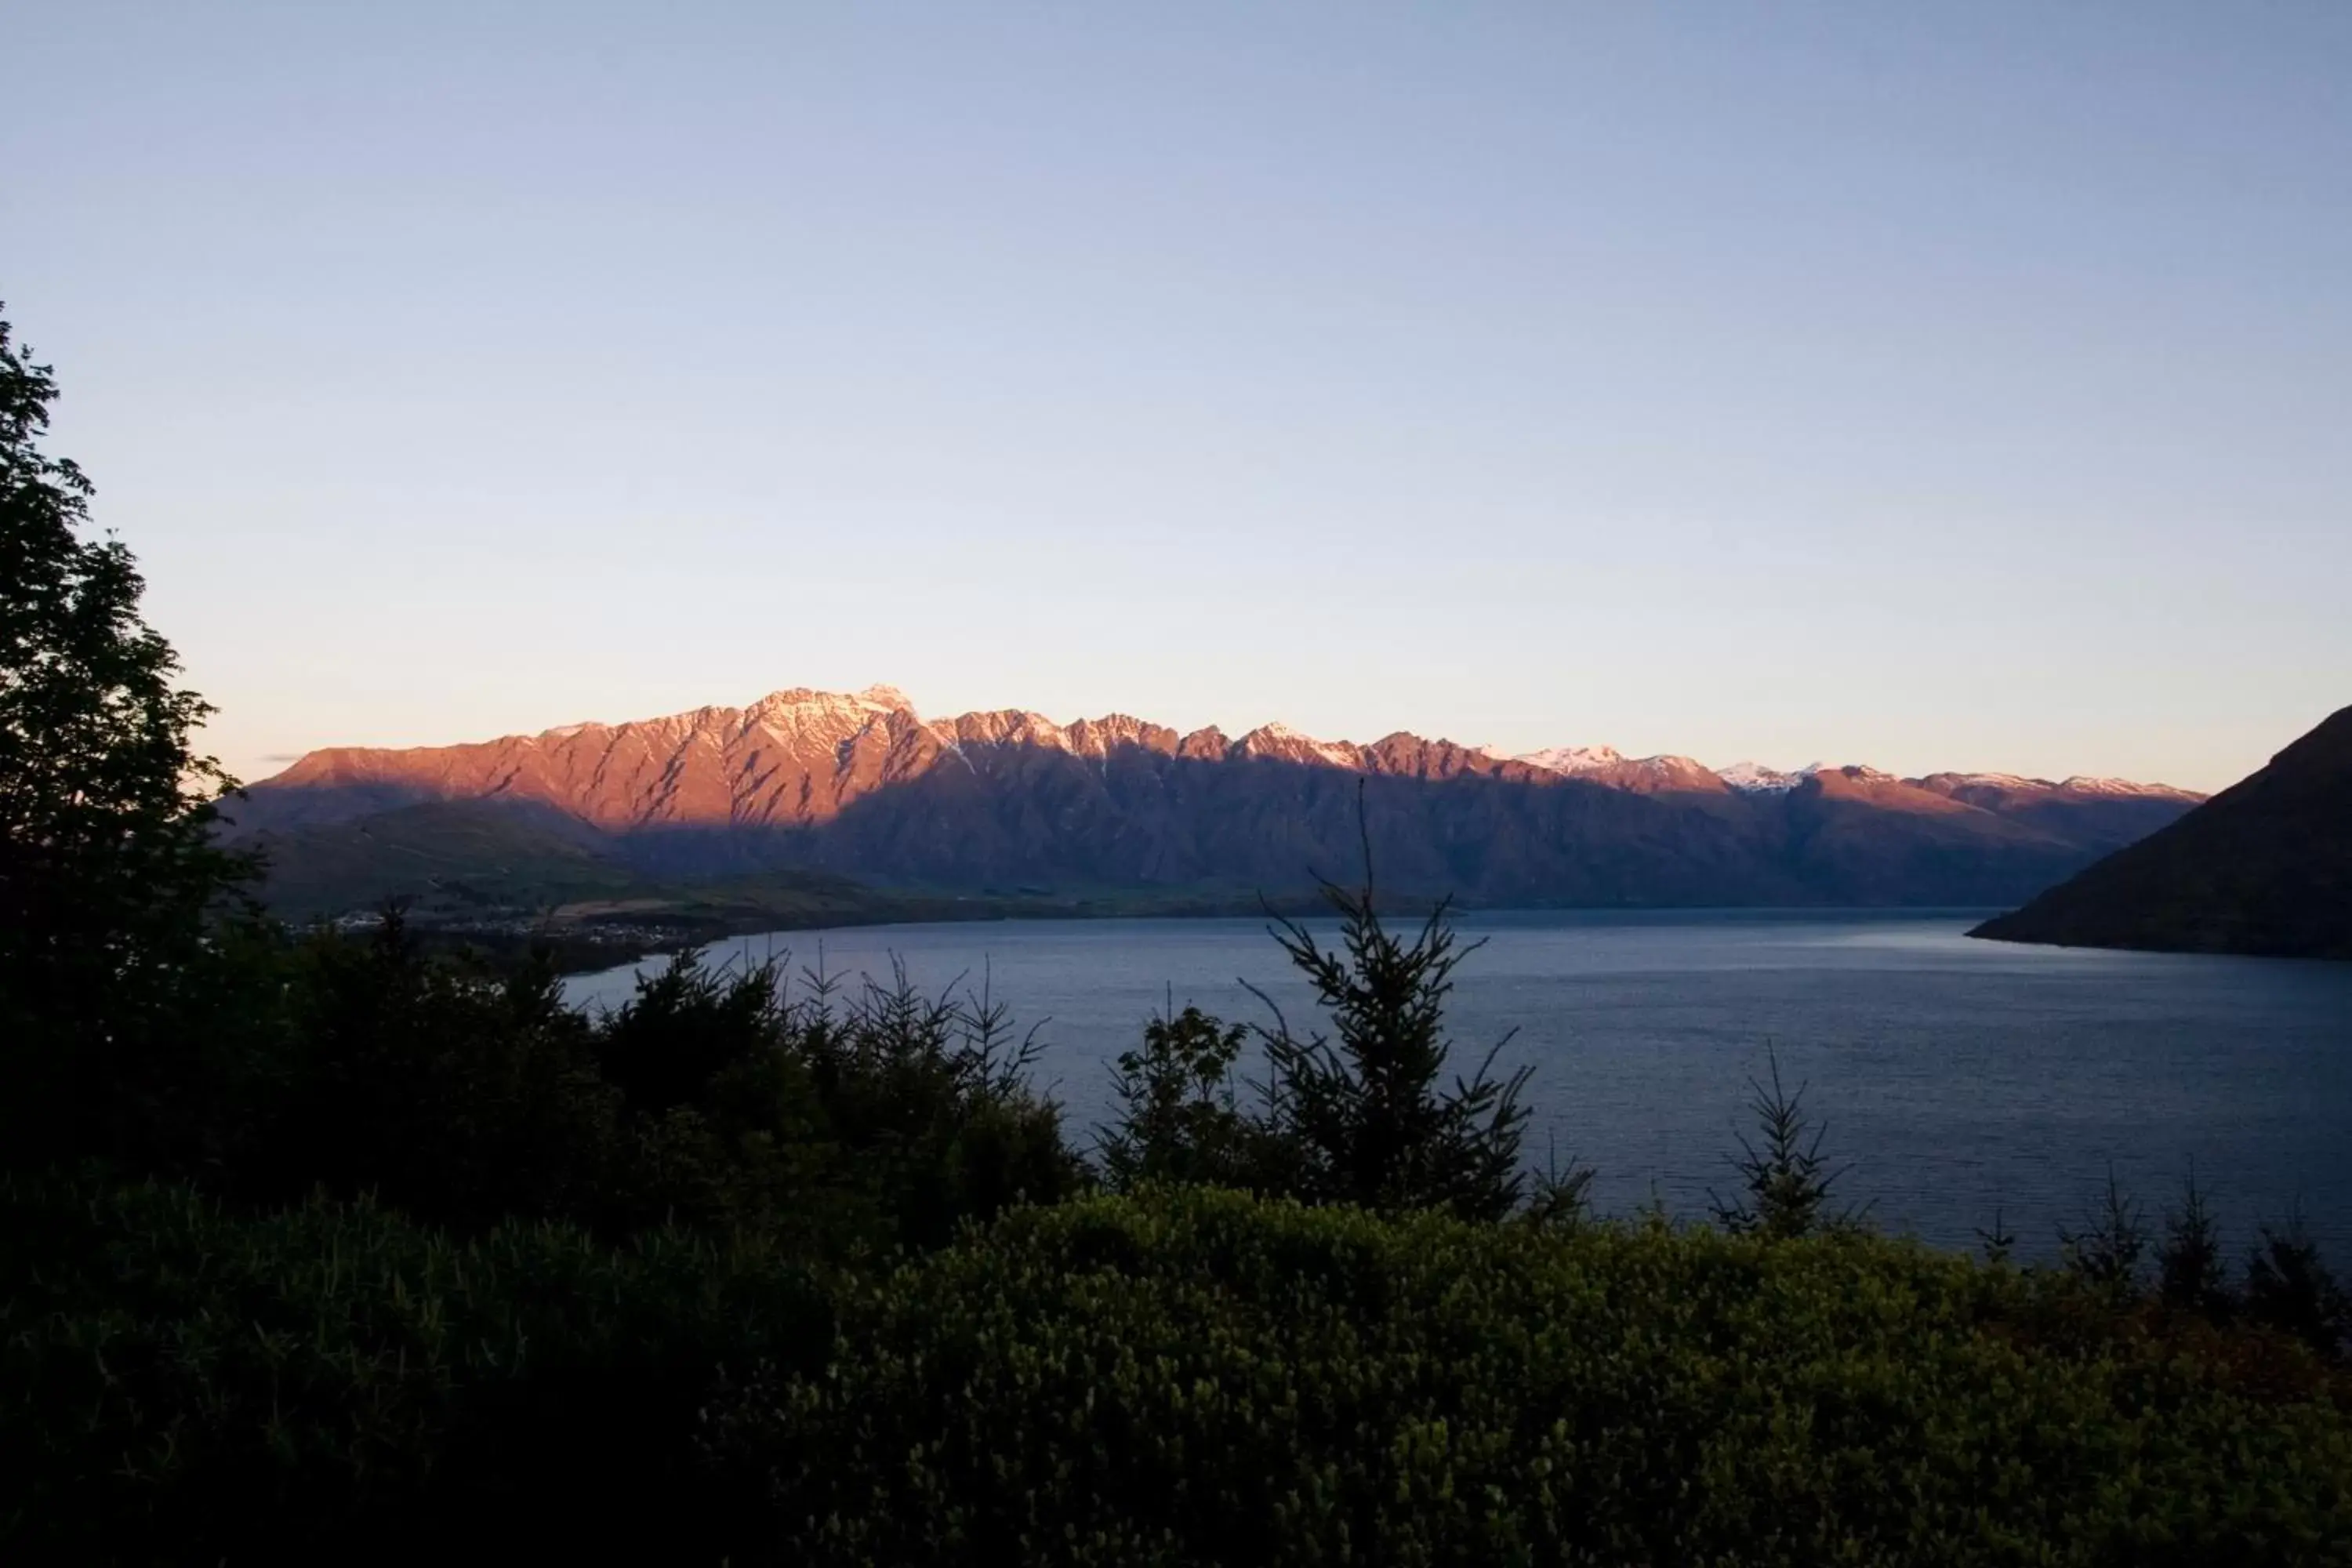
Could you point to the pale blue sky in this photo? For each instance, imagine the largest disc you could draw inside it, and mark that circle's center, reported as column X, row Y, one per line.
column 1957, row 385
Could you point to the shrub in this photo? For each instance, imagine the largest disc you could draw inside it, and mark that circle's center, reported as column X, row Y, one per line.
column 1364, row 1116
column 1180, row 1119
column 928, row 1101
column 2190, row 1275
column 2289, row 1288
column 2106, row 1253
column 1204, row 1377
column 1787, row 1182
column 467, row 1094
column 334, row 1381
column 457, row 1093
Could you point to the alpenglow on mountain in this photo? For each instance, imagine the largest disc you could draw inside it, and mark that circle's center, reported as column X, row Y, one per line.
column 863, row 785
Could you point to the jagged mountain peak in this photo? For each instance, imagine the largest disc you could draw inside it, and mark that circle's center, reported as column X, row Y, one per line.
column 803, row 698
column 779, row 777
column 2083, row 783
column 1755, row 778
column 1282, row 742
column 1572, row 758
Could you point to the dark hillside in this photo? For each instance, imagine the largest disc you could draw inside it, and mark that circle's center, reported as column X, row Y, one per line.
column 2265, row 867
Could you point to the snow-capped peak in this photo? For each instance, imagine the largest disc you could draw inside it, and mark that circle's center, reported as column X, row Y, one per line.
column 1572, row 758
column 2084, row 784
column 1279, row 737
column 889, row 699
column 1755, row 778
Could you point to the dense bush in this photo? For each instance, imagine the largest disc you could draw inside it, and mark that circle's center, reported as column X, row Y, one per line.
column 184, row 1384
column 1366, row 1111
column 1180, row 1118
column 465, row 1093
column 1202, row 1377
column 1361, row 1115
column 1189, row 1375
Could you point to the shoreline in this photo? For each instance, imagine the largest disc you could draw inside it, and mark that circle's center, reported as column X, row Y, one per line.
column 1302, row 907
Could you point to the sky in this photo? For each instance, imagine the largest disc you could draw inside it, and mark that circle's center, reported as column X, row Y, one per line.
column 1948, row 385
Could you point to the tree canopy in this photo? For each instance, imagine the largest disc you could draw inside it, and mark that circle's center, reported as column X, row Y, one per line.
column 108, row 863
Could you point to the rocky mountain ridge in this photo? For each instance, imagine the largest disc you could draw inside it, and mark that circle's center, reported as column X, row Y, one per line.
column 862, row 784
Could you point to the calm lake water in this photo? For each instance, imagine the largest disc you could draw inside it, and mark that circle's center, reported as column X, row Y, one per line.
column 1955, row 1076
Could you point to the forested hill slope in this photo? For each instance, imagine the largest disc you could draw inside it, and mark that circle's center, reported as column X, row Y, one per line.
column 2265, row 867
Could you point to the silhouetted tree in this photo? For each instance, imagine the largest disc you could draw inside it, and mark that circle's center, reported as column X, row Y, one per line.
column 2110, row 1248
column 1787, row 1182
column 1560, row 1196
column 1997, row 1240
column 2189, row 1273
column 1180, row 1119
column 455, row 1092
column 2290, row 1290
column 107, row 865
column 1368, row 1114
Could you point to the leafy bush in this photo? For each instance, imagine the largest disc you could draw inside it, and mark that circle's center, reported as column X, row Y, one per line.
column 1180, row 1116
column 459, row 1095
column 2107, row 1252
column 334, row 1381
column 1204, row 1377
column 2190, row 1275
column 2289, row 1288
column 467, row 1094
column 1787, row 1182
column 1363, row 1115
column 1366, row 1113
column 928, row 1102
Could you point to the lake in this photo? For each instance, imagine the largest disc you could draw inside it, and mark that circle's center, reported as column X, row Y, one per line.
column 1955, row 1076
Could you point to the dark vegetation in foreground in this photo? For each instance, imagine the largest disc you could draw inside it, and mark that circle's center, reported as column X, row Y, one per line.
column 335, row 1248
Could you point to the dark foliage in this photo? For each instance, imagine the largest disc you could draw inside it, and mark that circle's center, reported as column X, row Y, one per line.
column 107, row 866
column 334, row 1384
column 1180, row 1119
column 1997, row 1242
column 1368, row 1115
column 1202, row 1377
column 464, row 1093
column 1786, row 1182
column 2109, row 1249
column 2190, row 1275
column 457, row 1094
column 2289, row 1288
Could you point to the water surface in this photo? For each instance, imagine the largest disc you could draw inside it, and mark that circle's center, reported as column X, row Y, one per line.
column 1955, row 1076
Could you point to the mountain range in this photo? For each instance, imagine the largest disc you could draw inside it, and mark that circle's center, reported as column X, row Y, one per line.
column 2265, row 867
column 862, row 785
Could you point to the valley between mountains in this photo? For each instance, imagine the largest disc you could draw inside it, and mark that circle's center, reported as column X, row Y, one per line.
column 814, row 807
